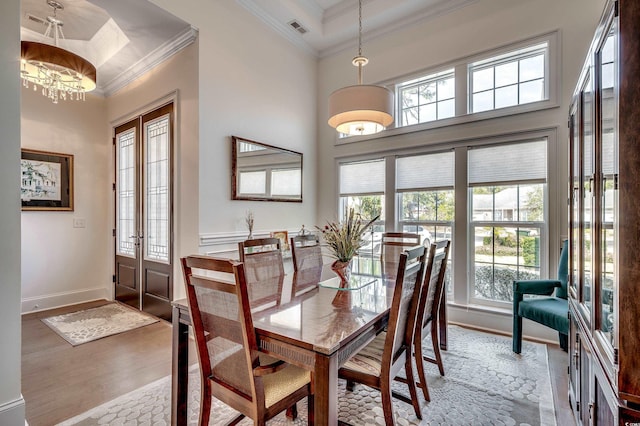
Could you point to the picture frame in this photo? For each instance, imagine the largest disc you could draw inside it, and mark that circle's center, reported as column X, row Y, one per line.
column 283, row 236
column 46, row 181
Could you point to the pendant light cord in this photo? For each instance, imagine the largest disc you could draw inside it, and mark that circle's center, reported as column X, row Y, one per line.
column 359, row 27
column 360, row 60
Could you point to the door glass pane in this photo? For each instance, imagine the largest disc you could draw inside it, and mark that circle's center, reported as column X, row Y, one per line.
column 575, row 203
column 587, row 184
column 126, row 193
column 157, row 179
column 609, row 191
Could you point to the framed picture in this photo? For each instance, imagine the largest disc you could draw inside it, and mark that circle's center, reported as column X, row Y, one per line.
column 46, row 181
column 283, row 236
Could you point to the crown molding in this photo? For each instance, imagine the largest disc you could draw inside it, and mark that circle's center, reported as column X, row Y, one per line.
column 153, row 59
column 282, row 29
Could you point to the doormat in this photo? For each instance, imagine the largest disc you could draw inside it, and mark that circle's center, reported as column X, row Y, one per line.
column 95, row 323
column 485, row 383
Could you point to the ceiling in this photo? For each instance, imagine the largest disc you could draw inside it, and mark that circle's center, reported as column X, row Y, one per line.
column 125, row 38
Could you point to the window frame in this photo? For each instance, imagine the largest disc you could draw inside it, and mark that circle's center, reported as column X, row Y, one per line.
column 425, row 80
column 462, row 93
column 514, row 56
column 550, row 237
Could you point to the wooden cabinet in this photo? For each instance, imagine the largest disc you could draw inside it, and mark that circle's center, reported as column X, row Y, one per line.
column 604, row 224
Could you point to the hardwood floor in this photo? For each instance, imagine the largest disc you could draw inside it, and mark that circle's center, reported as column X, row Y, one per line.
column 60, row 381
column 558, row 363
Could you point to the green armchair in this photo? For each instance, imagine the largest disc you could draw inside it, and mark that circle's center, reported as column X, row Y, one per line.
column 551, row 311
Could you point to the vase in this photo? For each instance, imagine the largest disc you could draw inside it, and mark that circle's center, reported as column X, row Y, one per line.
column 342, row 270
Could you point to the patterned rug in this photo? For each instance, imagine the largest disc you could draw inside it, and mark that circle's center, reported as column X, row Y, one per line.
column 95, row 323
column 485, row 384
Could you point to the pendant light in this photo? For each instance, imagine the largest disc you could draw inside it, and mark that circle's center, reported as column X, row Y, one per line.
column 361, row 109
column 61, row 74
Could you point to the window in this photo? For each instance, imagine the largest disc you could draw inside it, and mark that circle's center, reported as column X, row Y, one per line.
column 362, row 188
column 424, row 186
column 507, row 191
column 521, row 77
column 426, row 99
column 515, row 78
column 426, row 199
column 253, row 182
column 286, row 182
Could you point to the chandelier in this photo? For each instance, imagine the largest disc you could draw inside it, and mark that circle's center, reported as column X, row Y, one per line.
column 59, row 73
column 361, row 109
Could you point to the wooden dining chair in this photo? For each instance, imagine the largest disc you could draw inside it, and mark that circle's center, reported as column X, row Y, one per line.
column 264, row 270
column 378, row 363
column 392, row 244
column 306, row 252
column 257, row 246
column 428, row 307
column 232, row 368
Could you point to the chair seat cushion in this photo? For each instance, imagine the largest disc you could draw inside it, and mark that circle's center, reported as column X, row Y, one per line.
column 549, row 311
column 278, row 386
column 369, row 359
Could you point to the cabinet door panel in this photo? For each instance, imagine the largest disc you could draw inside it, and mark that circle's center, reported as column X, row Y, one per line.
column 587, row 196
column 607, row 63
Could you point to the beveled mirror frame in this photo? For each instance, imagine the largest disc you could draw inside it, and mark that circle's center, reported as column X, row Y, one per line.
column 236, row 157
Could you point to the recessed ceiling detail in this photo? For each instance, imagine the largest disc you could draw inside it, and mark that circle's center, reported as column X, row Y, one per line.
column 332, row 24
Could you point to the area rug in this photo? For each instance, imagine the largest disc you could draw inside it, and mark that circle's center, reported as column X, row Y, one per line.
column 485, row 384
column 95, row 323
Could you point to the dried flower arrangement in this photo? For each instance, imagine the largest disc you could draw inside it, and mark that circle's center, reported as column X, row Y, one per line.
column 345, row 238
column 249, row 221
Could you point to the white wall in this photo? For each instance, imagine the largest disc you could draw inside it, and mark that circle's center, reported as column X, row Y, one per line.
column 11, row 402
column 483, row 25
column 178, row 75
column 61, row 264
column 242, row 79
column 254, row 84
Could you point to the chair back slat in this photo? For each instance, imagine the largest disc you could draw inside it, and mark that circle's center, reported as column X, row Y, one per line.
column 402, row 316
column 222, row 323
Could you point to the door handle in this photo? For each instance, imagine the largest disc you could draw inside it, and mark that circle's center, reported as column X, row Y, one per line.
column 138, row 238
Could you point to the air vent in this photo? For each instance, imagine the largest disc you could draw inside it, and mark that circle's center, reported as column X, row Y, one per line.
column 298, row 27
column 35, row 19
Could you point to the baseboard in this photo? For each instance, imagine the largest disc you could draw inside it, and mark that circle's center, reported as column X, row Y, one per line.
column 50, row 301
column 499, row 323
column 12, row 413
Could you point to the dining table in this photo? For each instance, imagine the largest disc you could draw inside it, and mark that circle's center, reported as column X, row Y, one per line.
column 311, row 321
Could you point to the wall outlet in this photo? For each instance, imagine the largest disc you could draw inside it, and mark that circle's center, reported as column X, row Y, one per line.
column 79, row 223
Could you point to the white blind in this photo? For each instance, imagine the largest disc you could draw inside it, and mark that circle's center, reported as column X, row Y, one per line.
column 286, row 182
column 365, row 177
column 519, row 162
column 425, row 171
column 253, row 182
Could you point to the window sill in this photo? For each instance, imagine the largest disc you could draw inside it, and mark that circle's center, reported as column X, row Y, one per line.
column 453, row 121
column 481, row 308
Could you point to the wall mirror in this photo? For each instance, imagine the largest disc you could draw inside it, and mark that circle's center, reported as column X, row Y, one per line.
column 263, row 172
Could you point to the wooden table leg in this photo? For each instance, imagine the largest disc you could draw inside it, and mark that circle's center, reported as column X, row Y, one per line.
column 326, row 390
column 179, row 370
